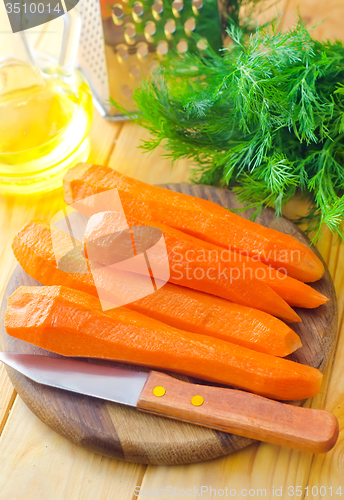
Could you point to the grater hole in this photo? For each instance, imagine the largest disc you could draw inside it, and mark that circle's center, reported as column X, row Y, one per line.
column 196, row 6
column 189, row 26
column 157, row 10
column 142, row 50
column 117, row 14
column 177, row 7
column 150, row 30
column 134, row 72
column 130, row 33
column 127, row 91
column 137, row 12
column 202, row 44
column 162, row 48
column 170, row 28
column 182, row 46
column 122, row 52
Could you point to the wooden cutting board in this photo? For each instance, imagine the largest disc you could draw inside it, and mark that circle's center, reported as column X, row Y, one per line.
column 124, row 433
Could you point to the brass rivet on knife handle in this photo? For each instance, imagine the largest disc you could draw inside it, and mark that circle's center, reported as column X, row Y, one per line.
column 197, row 400
column 241, row 413
column 159, row 391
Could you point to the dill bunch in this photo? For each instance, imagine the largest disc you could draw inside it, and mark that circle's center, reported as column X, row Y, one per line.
column 265, row 116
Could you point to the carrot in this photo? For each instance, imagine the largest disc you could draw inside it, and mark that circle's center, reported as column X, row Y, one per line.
column 116, row 287
column 33, row 249
column 177, row 306
column 71, row 323
column 200, row 265
column 200, row 218
column 199, row 312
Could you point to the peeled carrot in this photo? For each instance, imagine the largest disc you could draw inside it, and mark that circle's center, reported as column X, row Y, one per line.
column 33, row 249
column 71, row 323
column 177, row 306
column 199, row 312
column 201, row 218
column 203, row 266
column 249, row 292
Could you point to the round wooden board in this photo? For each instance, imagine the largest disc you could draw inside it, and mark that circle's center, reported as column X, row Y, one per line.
column 124, row 433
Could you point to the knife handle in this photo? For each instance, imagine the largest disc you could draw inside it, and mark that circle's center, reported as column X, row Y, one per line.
column 240, row 413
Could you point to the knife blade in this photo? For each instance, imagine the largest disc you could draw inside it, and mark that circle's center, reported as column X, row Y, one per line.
column 227, row 410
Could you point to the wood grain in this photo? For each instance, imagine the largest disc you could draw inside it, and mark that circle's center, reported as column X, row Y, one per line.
column 328, row 471
column 30, row 451
column 124, row 433
column 16, row 210
column 324, row 19
column 147, row 167
column 240, row 413
column 40, row 465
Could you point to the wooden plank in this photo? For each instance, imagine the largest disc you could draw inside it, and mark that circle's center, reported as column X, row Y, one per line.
column 16, row 210
column 259, row 468
column 327, row 470
column 263, row 465
column 7, row 397
column 125, row 433
column 38, row 464
column 269, row 11
column 127, row 158
column 103, row 138
column 326, row 17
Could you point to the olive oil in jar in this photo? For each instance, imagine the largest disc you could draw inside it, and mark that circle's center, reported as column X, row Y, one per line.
column 44, row 125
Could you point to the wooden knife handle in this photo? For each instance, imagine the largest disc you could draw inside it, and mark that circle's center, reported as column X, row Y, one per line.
column 239, row 413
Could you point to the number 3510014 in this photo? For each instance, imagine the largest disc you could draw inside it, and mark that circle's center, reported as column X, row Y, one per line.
column 32, row 8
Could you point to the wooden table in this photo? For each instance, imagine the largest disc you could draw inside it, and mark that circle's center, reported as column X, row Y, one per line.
column 37, row 464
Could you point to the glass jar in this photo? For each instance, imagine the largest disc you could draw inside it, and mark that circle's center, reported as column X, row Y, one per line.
column 45, row 116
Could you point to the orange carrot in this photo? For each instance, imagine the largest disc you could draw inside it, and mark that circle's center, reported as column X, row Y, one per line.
column 177, row 306
column 33, row 249
column 200, row 218
column 199, row 312
column 71, row 323
column 249, row 292
column 200, row 265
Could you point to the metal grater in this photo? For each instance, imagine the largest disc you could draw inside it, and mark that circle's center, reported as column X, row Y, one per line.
column 122, row 43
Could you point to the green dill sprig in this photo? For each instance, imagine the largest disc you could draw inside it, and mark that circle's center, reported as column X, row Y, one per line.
column 265, row 116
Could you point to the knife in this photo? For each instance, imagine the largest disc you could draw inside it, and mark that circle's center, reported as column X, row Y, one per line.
column 227, row 410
